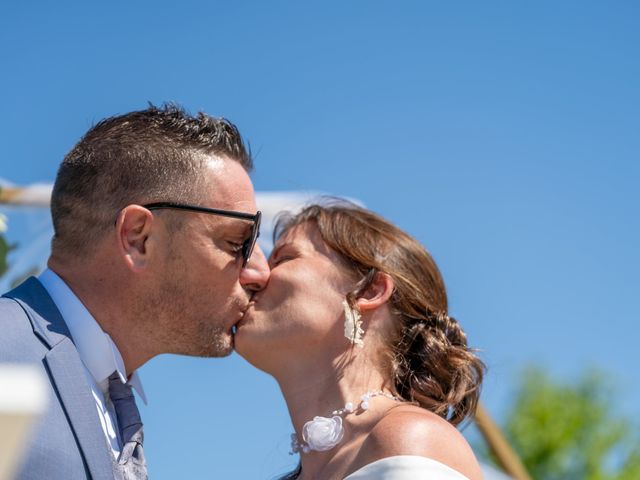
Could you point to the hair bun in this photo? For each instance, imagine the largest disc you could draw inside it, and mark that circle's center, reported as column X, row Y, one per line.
column 434, row 367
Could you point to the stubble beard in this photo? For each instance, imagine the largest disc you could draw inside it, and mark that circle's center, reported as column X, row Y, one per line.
column 197, row 337
column 181, row 330
column 212, row 341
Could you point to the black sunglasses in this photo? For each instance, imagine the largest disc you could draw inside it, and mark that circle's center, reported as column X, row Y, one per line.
column 247, row 245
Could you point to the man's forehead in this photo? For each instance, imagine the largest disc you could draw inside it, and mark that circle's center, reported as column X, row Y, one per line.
column 227, row 185
column 213, row 163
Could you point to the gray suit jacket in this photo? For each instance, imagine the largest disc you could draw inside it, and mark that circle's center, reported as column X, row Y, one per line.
column 68, row 442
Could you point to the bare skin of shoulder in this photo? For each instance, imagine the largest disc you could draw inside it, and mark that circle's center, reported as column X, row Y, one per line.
column 402, row 430
column 411, row 430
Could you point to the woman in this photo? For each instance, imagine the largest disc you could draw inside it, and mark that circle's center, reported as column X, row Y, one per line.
column 354, row 327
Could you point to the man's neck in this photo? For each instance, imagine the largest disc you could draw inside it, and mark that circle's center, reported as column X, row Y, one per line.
column 108, row 308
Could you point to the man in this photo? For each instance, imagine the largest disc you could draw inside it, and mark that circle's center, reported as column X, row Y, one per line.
column 153, row 252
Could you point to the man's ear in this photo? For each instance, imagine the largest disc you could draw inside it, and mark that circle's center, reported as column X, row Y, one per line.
column 377, row 294
column 133, row 227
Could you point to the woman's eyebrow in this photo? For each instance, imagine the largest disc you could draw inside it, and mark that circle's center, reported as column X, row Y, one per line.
column 277, row 250
column 274, row 252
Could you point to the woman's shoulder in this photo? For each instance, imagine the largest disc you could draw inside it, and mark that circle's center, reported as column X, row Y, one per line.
column 409, row 430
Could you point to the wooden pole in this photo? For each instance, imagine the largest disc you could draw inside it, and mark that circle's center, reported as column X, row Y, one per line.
column 507, row 457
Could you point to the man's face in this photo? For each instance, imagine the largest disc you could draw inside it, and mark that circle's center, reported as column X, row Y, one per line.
column 203, row 288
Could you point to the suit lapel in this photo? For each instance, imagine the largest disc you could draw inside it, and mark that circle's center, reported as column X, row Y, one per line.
column 45, row 318
column 68, row 376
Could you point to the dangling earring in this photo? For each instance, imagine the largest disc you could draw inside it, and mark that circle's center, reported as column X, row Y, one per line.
column 352, row 324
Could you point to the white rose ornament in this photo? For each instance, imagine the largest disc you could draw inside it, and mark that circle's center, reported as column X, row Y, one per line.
column 322, row 433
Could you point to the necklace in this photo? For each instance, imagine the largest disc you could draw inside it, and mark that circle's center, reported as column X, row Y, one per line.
column 323, row 433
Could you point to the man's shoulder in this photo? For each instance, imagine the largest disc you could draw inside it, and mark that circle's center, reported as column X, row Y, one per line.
column 12, row 314
column 18, row 341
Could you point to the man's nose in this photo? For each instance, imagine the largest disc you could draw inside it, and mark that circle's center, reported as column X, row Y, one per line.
column 254, row 276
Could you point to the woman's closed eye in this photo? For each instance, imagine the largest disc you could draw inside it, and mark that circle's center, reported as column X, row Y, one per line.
column 282, row 254
column 281, row 257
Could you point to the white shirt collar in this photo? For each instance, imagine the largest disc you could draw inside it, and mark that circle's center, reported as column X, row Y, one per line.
column 97, row 350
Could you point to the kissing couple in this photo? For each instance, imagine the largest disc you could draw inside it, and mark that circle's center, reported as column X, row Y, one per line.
column 154, row 251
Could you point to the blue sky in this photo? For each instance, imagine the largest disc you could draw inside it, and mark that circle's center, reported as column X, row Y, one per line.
column 503, row 135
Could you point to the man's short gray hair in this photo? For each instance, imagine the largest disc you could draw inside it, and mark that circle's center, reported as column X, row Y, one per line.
column 151, row 155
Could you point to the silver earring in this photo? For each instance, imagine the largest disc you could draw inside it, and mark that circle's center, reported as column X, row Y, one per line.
column 352, row 324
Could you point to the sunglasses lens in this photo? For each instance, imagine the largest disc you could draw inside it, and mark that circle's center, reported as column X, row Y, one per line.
column 247, row 246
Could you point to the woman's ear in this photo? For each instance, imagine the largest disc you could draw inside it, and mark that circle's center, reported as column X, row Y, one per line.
column 133, row 228
column 377, row 294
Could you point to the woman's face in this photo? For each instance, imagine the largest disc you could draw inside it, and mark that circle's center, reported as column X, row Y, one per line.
column 300, row 310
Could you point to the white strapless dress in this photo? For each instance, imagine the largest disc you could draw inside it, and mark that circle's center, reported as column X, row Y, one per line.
column 406, row 467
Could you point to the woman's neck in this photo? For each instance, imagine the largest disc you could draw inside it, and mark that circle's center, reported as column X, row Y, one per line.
column 311, row 390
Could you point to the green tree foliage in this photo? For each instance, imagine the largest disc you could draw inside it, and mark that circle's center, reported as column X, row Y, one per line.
column 572, row 431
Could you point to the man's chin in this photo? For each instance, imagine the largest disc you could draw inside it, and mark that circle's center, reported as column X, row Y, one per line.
column 221, row 345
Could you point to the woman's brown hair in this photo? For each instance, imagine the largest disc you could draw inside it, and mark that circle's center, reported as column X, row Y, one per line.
column 430, row 361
